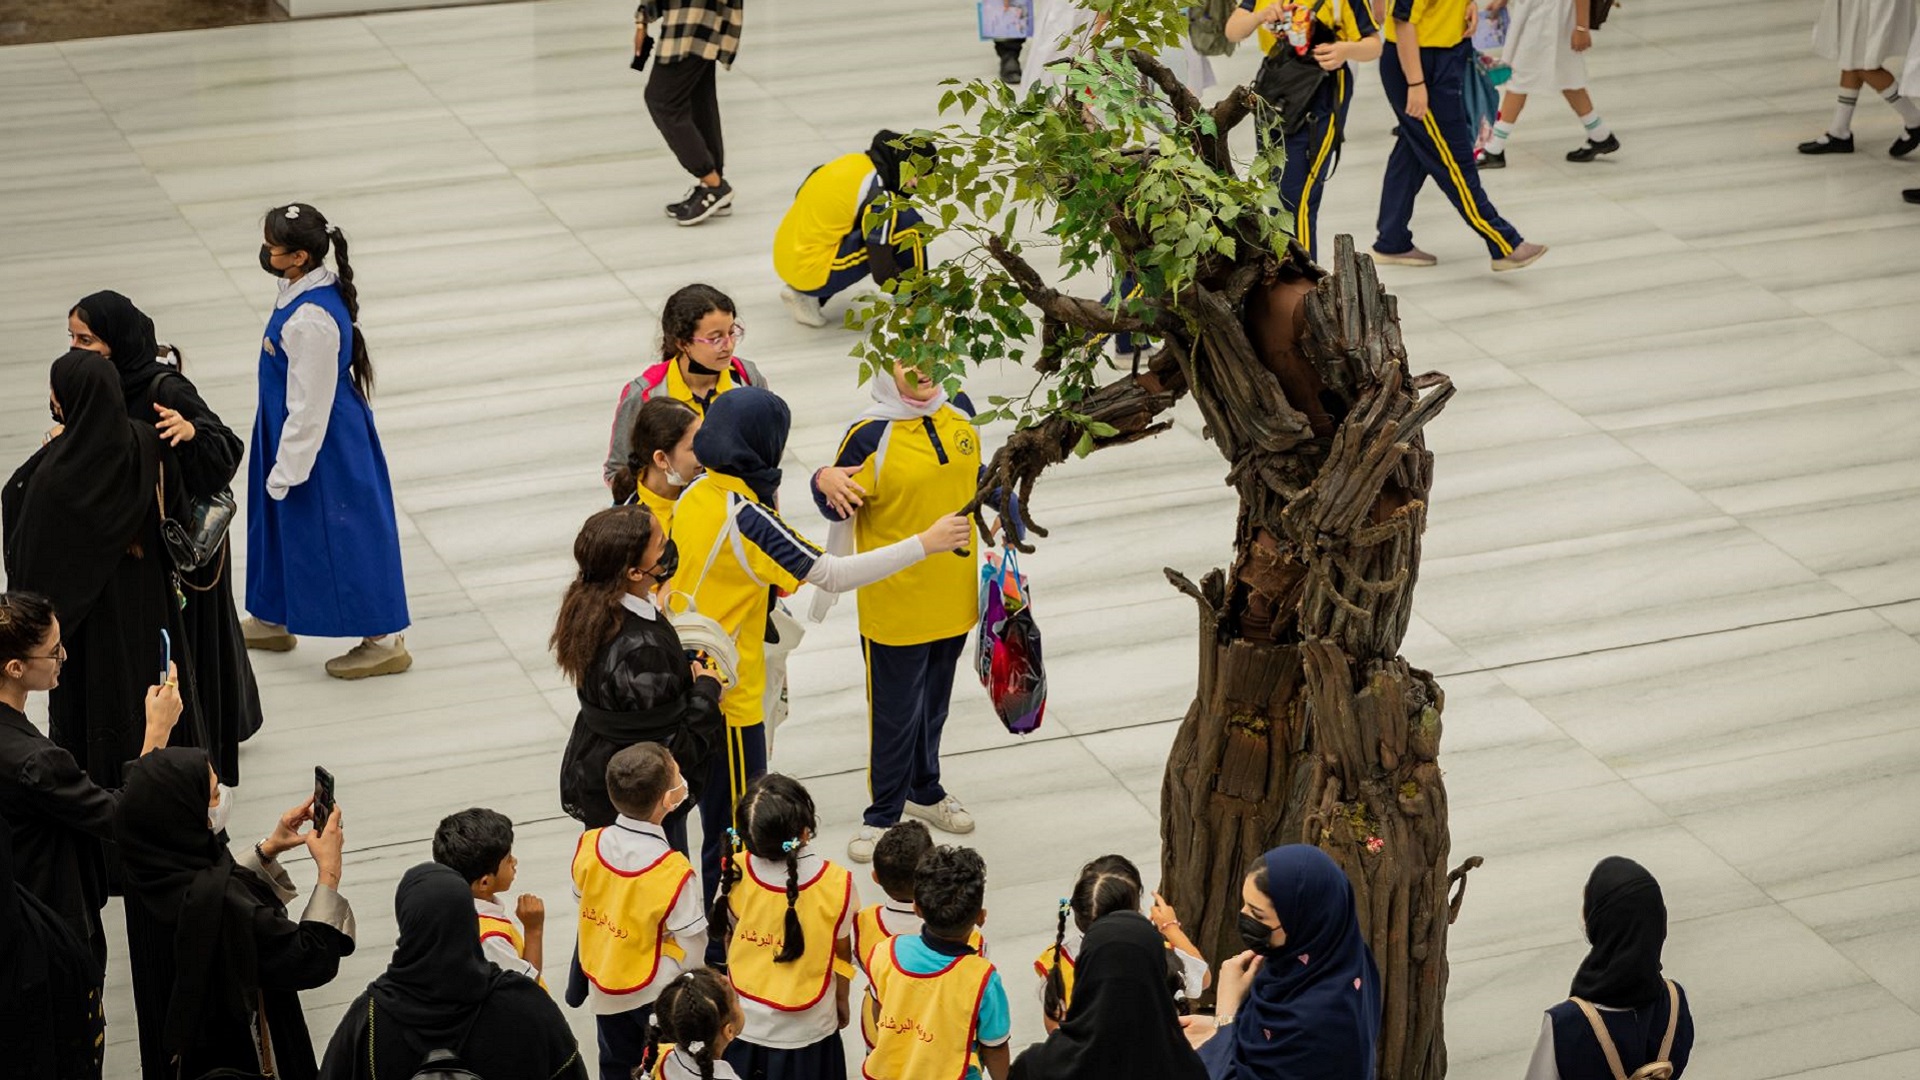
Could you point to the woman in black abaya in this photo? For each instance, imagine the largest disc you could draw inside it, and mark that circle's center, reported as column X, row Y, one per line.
column 51, row 1026
column 82, row 528
column 217, row 963
column 1121, row 1022
column 205, row 454
column 440, row 993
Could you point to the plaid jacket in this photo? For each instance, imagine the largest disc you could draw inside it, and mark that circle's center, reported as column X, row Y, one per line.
column 693, row 29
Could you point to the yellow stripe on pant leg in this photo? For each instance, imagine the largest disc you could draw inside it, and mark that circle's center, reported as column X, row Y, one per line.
column 1468, row 206
column 866, row 653
column 736, row 773
column 1302, row 230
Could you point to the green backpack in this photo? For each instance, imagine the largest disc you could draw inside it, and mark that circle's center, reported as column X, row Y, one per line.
column 1207, row 26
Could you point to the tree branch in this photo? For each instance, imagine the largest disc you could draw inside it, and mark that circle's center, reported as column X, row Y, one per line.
column 1089, row 315
column 1187, row 108
column 1235, row 107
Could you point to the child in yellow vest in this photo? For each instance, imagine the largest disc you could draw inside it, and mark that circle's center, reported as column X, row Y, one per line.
column 1107, row 884
column 789, row 916
column 942, row 1009
column 640, row 920
column 695, row 1019
column 479, row 844
column 895, row 858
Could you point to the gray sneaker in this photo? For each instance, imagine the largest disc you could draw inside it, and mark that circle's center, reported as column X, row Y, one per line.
column 266, row 637
column 370, row 658
column 1522, row 257
column 806, row 310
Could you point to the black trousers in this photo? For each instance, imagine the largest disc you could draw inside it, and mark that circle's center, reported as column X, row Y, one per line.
column 682, row 101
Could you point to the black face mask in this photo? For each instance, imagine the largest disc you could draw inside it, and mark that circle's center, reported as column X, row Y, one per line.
column 669, row 564
column 1254, row 934
column 695, row 367
column 266, row 261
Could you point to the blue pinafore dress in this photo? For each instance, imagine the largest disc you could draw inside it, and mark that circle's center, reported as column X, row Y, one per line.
column 325, row 560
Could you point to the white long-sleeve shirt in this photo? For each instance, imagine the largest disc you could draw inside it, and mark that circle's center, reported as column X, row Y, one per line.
column 631, row 845
column 311, row 340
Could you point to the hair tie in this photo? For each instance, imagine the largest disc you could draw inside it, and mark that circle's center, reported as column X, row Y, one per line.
column 653, row 1021
column 293, row 211
column 332, row 228
column 682, row 977
column 1065, row 905
column 788, row 846
column 696, row 1046
column 733, row 838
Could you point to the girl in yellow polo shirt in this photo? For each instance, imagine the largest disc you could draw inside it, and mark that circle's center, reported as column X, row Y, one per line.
column 736, row 552
column 786, row 915
column 698, row 334
column 660, row 461
column 913, row 454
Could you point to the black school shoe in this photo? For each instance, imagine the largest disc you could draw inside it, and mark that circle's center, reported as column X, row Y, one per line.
column 673, row 208
column 1912, row 195
column 1594, row 149
column 1827, row 144
column 1490, row 160
column 705, row 202
column 1905, row 144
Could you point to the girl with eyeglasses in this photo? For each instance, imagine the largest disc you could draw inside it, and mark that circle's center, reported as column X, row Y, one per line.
column 699, row 332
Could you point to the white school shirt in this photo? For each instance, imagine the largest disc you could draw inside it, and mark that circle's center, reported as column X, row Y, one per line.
column 633, row 845
column 771, row 1027
column 678, row 1066
column 311, row 340
column 498, row 949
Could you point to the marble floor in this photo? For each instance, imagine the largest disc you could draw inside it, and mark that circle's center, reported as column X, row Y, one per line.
column 1672, row 585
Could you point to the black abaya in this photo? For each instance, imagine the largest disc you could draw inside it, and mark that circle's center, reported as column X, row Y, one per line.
column 1121, row 1022
column 51, row 1023
column 60, row 821
column 82, row 527
column 222, row 673
column 440, row 993
column 210, row 942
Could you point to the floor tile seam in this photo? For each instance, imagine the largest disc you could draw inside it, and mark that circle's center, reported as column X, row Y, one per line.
column 1525, row 950
column 1827, row 1068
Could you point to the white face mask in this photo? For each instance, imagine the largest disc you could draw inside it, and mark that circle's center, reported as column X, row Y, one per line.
column 218, row 813
column 676, row 479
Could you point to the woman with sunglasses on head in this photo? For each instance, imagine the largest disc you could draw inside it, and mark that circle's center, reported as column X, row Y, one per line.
column 198, row 448
column 698, row 332
column 58, row 815
column 323, row 548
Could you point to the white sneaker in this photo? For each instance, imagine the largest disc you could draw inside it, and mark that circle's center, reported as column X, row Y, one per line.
column 947, row 815
column 806, row 310
column 860, row 848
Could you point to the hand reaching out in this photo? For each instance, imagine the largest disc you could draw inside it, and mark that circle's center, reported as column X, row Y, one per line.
column 173, row 427
column 838, row 487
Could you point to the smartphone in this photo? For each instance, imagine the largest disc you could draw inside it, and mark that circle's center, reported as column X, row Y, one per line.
column 166, row 656
column 322, row 798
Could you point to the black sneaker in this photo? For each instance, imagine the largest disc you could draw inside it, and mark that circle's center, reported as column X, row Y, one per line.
column 1827, row 144
column 1594, row 149
column 1491, row 160
column 673, row 208
column 1010, row 69
column 705, row 202
column 1906, row 143
column 1912, row 195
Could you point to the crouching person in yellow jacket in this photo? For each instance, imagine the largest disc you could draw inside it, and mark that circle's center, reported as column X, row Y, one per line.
column 824, row 246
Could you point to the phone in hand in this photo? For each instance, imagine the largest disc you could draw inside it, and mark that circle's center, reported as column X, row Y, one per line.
column 166, row 657
column 640, row 58
column 322, row 798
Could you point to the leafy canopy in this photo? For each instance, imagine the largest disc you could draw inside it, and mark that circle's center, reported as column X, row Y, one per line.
column 1112, row 178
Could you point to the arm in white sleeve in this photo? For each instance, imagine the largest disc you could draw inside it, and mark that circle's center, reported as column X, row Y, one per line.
column 687, row 922
column 499, row 951
column 312, row 342
column 1544, row 1065
column 843, row 573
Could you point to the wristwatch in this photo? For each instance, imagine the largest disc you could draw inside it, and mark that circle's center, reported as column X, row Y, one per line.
column 260, row 850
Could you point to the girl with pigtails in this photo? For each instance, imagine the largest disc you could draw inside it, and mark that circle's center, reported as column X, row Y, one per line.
column 694, row 1021
column 790, row 915
column 1108, row 884
column 323, row 546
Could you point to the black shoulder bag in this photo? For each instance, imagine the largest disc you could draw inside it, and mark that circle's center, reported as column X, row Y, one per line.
column 198, row 537
column 1288, row 81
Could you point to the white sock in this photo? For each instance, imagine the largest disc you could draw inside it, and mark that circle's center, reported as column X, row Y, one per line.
column 1909, row 112
column 1842, row 126
column 1597, row 129
column 1502, row 131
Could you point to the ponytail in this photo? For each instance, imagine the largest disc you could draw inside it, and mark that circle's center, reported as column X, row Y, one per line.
column 611, row 543
column 659, row 424
column 1055, row 999
column 691, row 1013
column 720, row 913
column 650, row 1054
column 361, row 367
column 302, row 227
column 794, row 942
column 775, row 815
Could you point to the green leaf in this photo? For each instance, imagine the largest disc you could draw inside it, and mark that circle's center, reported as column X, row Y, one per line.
column 1102, row 430
column 1084, row 446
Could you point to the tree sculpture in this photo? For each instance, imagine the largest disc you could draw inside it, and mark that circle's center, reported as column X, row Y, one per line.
column 1307, row 726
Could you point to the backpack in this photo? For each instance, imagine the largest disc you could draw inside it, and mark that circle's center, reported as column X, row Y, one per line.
column 1598, row 15
column 1207, row 26
column 440, row 1064
column 1661, row 1067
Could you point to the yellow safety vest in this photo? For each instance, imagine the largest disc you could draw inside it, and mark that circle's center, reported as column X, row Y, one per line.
column 623, row 915
column 869, row 933
column 1043, row 964
column 928, row 1023
column 494, row 926
column 759, row 933
column 824, row 211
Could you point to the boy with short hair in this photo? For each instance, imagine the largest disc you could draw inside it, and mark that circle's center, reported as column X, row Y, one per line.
column 895, row 858
column 479, row 844
column 641, row 922
column 941, row 1005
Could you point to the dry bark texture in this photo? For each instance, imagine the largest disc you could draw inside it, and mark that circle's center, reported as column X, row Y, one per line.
column 1307, row 726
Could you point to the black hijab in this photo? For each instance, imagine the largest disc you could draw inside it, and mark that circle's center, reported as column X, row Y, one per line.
column 887, row 159
column 1121, row 1021
column 744, row 436
column 1626, row 926
column 74, row 507
column 128, row 332
column 183, row 874
column 439, row 977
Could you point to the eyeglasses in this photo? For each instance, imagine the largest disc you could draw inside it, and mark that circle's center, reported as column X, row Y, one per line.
column 731, row 337
column 58, row 655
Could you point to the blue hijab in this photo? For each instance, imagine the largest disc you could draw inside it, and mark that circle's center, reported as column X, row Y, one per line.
column 744, row 436
column 1314, row 1007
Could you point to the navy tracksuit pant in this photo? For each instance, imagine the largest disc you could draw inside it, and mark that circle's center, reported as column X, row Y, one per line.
column 908, row 690
column 744, row 760
column 1311, row 153
column 1438, row 145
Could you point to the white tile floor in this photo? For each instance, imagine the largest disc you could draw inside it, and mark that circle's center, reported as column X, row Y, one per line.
column 1672, row 583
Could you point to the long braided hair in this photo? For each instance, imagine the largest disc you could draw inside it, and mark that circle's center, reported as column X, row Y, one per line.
column 301, row 227
column 691, row 1014
column 776, row 813
column 1107, row 884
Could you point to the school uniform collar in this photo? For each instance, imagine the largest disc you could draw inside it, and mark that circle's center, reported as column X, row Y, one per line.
column 896, row 907
column 318, row 277
column 12, row 717
column 943, row 946
column 733, row 484
column 492, row 908
column 644, row 828
column 640, row 606
column 677, row 383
